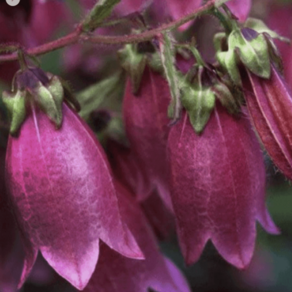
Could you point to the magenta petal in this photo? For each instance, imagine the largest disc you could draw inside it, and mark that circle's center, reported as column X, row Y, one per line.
column 270, row 106
column 115, row 273
column 147, row 128
column 240, row 8
column 159, row 216
column 178, row 9
column 12, row 258
column 218, row 181
column 64, row 196
column 129, row 6
column 127, row 170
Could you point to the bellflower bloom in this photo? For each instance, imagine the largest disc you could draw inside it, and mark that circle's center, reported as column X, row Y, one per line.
column 218, row 187
column 147, row 128
column 115, row 273
column 60, row 183
column 269, row 103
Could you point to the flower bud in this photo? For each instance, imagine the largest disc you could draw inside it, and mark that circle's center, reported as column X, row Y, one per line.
column 218, row 187
column 269, row 104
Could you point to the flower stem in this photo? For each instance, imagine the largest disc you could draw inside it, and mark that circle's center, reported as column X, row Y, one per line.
column 77, row 36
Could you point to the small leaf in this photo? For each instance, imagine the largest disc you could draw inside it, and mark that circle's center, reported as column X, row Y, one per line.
column 98, row 13
column 172, row 75
column 92, row 97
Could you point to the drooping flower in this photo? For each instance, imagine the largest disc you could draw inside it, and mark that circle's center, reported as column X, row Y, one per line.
column 60, row 182
column 115, row 273
column 146, row 123
column 269, row 102
column 218, row 187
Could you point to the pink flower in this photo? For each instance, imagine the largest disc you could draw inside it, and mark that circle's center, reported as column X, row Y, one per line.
column 218, row 187
column 63, row 195
column 115, row 273
column 240, row 8
column 147, row 128
column 269, row 103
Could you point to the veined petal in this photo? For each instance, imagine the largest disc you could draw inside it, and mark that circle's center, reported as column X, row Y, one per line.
column 218, row 182
column 63, row 193
column 115, row 273
column 269, row 103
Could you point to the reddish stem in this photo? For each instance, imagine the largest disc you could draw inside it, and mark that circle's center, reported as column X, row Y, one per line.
column 77, row 36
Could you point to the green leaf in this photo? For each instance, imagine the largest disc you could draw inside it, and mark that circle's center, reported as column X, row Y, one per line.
column 172, row 75
column 228, row 61
column 98, row 13
column 92, row 97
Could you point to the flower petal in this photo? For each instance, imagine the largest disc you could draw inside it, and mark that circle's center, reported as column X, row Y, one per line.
column 62, row 189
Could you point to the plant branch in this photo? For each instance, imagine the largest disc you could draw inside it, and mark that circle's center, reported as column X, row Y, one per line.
column 78, row 36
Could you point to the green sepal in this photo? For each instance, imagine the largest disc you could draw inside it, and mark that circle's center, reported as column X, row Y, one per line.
column 15, row 104
column 218, row 40
column 134, row 63
column 253, row 53
column 226, row 97
column 229, row 62
column 49, row 98
column 98, row 13
column 198, row 101
column 154, row 62
column 199, row 105
column 259, row 26
column 69, row 95
column 275, row 55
